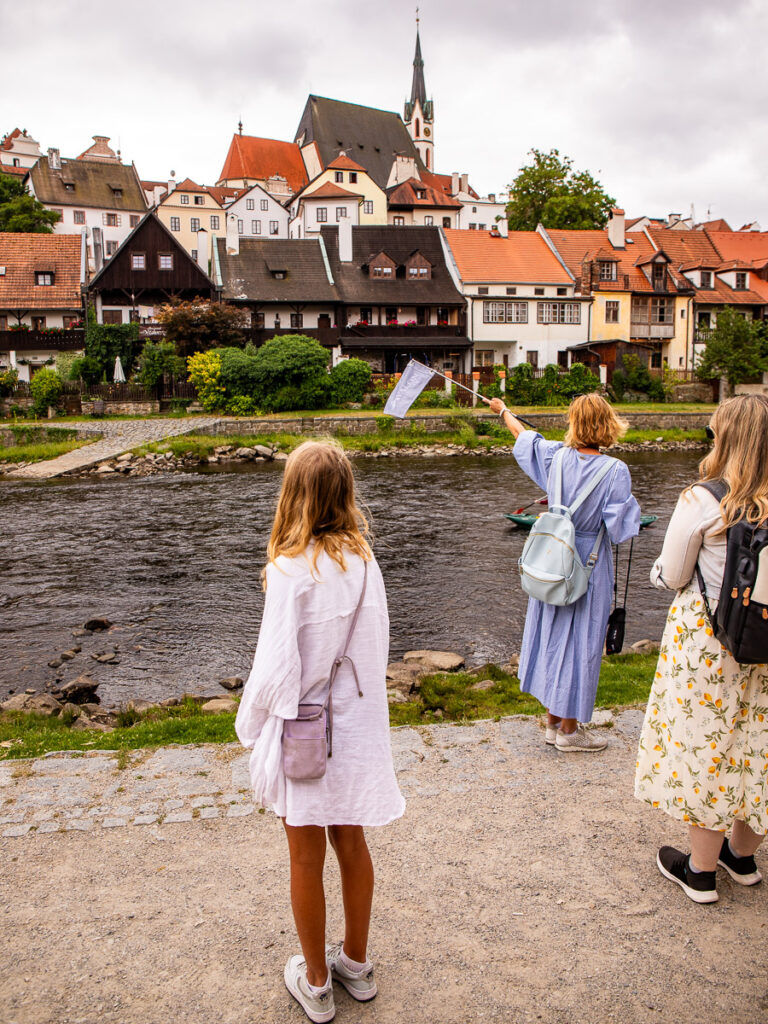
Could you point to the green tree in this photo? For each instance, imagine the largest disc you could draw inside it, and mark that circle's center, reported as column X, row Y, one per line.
column 292, row 373
column 737, row 349
column 19, row 211
column 350, row 379
column 45, row 388
column 156, row 359
column 199, row 325
column 548, row 191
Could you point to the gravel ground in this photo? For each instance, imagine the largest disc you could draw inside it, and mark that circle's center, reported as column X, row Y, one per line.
column 519, row 887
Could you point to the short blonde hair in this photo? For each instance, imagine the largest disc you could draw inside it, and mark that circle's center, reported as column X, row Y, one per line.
column 592, row 423
column 317, row 503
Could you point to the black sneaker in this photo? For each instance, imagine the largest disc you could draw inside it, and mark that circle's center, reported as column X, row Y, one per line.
column 741, row 869
column 698, row 886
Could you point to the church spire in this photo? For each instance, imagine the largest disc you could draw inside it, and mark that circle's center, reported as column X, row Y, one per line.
column 418, row 112
column 418, row 88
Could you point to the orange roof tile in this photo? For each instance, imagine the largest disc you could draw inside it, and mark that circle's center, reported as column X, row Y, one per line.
column 250, row 157
column 408, row 193
column 328, row 190
column 523, row 257
column 23, row 255
column 343, row 163
column 10, row 169
column 189, row 186
column 737, row 245
column 444, row 182
column 577, row 246
column 7, row 142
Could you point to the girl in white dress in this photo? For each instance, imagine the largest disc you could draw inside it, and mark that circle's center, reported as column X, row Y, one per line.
column 314, row 577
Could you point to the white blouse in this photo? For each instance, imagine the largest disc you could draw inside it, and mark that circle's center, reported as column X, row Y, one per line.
column 691, row 536
column 303, row 629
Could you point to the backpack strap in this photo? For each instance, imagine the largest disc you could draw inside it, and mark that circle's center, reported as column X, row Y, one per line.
column 585, row 492
column 556, row 471
column 719, row 489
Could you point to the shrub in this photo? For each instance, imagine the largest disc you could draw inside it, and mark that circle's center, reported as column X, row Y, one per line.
column 635, row 376
column 200, row 325
column 350, row 379
column 64, row 363
column 8, row 381
column 238, row 371
column 105, row 342
column 292, row 373
column 158, row 358
column 205, row 373
column 241, row 405
column 45, row 387
column 86, row 369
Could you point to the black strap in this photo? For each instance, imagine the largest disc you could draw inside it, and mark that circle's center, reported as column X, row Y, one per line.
column 616, row 575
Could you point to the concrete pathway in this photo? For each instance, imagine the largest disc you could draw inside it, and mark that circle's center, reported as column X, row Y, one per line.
column 519, row 888
column 118, row 436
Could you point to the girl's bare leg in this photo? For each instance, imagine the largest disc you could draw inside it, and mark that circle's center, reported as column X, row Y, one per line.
column 744, row 842
column 306, row 845
column 705, row 847
column 356, row 867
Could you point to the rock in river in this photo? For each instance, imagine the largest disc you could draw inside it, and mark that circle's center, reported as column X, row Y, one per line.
column 435, row 661
column 97, row 625
column 81, row 690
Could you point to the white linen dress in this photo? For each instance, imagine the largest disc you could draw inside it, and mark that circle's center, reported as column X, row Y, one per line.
column 304, row 628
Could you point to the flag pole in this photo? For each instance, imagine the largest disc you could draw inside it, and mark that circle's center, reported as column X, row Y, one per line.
column 481, row 397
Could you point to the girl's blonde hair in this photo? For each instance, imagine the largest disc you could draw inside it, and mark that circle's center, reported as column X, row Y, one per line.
column 592, row 423
column 740, row 458
column 317, row 503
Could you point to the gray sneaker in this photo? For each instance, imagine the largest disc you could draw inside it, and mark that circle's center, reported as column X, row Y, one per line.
column 579, row 740
column 319, row 1008
column 361, row 986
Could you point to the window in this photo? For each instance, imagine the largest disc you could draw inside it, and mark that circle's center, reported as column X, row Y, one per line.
column 473, row 227
column 682, row 314
column 111, row 248
column 446, row 222
column 532, row 357
column 274, row 227
column 558, row 312
column 117, row 193
column 607, row 270
column 112, row 316
column 511, row 291
column 562, row 291
column 661, row 311
column 368, row 206
column 505, row 312
column 422, row 316
column 193, row 254
column 297, row 319
column 659, row 276
column 322, row 214
column 612, row 312
column 184, row 200
column 256, row 225
column 366, row 314
column 538, row 291
column 134, row 220
column 353, row 177
column 706, row 279
column 562, row 359
column 199, row 200
column 69, row 186
column 240, row 228
column 257, row 319
column 138, row 261
column 390, row 314
column 165, row 261
column 264, row 204
column 253, row 226
column 250, row 204
column 214, row 222
column 175, row 224
column 44, row 277
column 482, row 290
column 655, row 360
column 70, row 322
column 341, row 212
column 399, row 222
column 3, row 322
column 78, row 216
column 382, row 271
column 38, row 323
column 194, row 223
column 338, row 176
column 429, row 220
column 111, row 220
column 741, row 280
column 481, row 227
column 484, row 357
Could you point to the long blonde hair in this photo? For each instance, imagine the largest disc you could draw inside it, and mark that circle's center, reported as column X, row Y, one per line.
column 592, row 423
column 317, row 503
column 740, row 458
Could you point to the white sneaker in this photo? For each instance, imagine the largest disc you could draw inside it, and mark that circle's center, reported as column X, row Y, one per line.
column 360, row 985
column 579, row 740
column 550, row 736
column 320, row 1007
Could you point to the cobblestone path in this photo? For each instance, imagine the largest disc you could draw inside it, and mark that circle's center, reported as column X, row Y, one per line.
column 117, row 436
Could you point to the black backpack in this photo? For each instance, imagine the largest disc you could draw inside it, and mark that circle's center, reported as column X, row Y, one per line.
column 740, row 622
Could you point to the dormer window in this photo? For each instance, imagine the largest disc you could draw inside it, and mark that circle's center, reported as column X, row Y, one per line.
column 353, row 177
column 199, row 200
column 418, row 268
column 117, row 192
column 279, row 275
column 184, row 200
column 381, row 271
column 420, row 193
column 741, row 280
column 659, row 276
column 69, row 186
column 382, row 266
column 44, row 278
column 607, row 270
column 706, row 279
column 338, row 176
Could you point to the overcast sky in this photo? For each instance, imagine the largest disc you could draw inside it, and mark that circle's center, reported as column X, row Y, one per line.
column 665, row 102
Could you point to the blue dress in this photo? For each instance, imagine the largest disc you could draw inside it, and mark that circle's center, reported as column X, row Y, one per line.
column 563, row 646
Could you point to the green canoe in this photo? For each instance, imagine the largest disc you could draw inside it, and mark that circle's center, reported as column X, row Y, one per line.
column 525, row 520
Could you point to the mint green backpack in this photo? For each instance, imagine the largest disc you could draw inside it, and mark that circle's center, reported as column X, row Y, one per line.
column 550, row 567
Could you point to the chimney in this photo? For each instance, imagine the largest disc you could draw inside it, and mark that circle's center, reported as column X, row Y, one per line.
column 345, row 239
column 98, row 250
column 233, row 238
column 454, row 183
column 464, row 183
column 616, row 228
column 673, row 219
column 491, row 197
column 171, row 185
column 202, row 250
column 54, row 159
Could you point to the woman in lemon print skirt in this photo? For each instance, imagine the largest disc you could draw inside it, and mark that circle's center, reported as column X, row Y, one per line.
column 703, row 754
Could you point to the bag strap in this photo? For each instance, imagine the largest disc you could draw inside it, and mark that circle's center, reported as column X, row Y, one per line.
column 344, row 656
column 585, row 492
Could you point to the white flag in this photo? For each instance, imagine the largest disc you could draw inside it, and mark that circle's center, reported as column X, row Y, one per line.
column 415, row 378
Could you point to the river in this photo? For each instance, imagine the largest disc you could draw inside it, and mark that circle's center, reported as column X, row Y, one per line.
column 174, row 561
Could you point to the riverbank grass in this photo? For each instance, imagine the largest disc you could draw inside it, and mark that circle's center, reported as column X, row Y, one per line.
column 448, row 697
column 40, row 452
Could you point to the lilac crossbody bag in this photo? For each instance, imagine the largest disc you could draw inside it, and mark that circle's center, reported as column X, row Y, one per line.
column 308, row 738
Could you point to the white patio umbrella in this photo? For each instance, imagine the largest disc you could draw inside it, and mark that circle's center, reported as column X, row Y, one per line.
column 118, row 376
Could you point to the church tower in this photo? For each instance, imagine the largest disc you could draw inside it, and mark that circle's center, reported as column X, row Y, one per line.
column 419, row 111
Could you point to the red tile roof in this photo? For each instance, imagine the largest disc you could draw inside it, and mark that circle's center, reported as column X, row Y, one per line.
column 343, row 163
column 576, row 247
column 189, row 186
column 10, row 169
column 522, row 257
column 740, row 245
column 7, row 142
column 329, row 190
column 23, row 255
column 715, row 225
column 250, row 157
column 406, row 194
column 715, row 250
column 444, row 182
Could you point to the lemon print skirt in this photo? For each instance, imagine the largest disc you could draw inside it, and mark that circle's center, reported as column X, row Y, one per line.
column 703, row 755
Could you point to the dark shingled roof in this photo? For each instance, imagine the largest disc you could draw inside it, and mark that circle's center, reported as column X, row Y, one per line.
column 249, row 275
column 94, row 185
column 368, row 136
column 399, row 243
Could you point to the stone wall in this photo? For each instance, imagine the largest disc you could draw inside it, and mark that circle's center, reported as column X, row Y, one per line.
column 121, row 408
column 11, row 438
